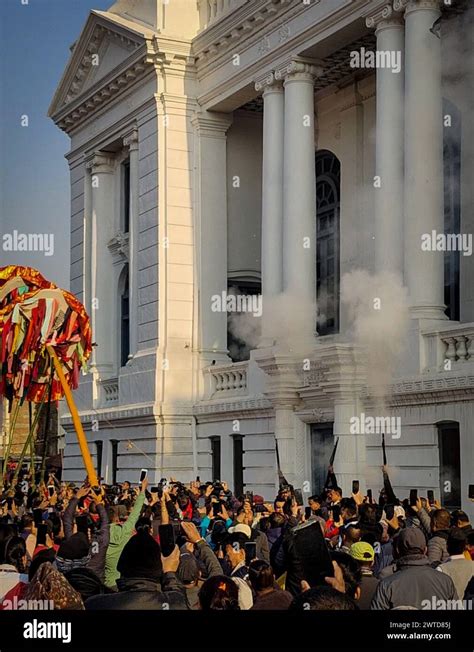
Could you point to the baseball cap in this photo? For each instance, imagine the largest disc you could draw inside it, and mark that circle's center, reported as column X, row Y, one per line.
column 241, row 528
column 362, row 551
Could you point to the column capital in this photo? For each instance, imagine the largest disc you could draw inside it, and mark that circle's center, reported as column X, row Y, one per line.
column 268, row 84
column 130, row 139
column 211, row 124
column 385, row 16
column 100, row 163
column 299, row 69
column 410, row 6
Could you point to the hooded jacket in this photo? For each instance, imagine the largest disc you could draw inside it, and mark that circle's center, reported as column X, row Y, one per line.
column 413, row 583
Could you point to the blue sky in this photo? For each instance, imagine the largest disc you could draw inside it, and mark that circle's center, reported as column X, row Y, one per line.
column 34, row 179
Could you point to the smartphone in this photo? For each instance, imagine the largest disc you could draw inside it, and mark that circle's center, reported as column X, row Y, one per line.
column 312, row 551
column 167, row 540
column 299, row 497
column 307, row 512
column 471, row 491
column 389, row 511
column 51, row 490
column 250, row 551
column 143, row 474
column 41, row 535
column 355, row 486
column 38, row 516
column 336, row 513
column 431, row 498
column 216, row 508
column 198, row 479
column 249, row 496
column 82, row 523
column 154, row 490
column 369, row 494
column 413, row 496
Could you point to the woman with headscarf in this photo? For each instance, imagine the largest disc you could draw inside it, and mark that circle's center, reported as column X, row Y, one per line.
column 51, row 587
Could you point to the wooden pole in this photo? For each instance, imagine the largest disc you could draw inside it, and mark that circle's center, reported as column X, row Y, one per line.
column 86, row 456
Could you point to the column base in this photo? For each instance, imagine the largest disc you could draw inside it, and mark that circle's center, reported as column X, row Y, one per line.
column 428, row 312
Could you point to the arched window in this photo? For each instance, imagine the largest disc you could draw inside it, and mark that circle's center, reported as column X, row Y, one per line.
column 124, row 317
column 328, row 190
column 452, row 206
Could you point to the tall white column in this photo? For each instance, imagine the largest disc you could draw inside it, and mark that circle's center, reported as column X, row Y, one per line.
column 103, row 296
column 424, row 211
column 299, row 206
column 388, row 146
column 131, row 141
column 211, row 210
column 272, row 196
column 299, row 185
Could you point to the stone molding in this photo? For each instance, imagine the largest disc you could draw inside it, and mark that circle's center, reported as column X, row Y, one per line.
column 268, row 83
column 130, row 140
column 415, row 5
column 100, row 163
column 300, row 69
column 385, row 16
column 211, row 124
column 119, row 247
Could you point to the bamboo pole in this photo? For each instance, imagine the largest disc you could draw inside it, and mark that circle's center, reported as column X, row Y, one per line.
column 28, row 441
column 86, row 456
column 10, row 438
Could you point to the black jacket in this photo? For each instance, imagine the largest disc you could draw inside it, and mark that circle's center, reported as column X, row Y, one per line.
column 139, row 593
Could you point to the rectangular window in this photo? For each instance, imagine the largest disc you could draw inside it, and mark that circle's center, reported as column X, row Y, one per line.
column 216, row 458
column 125, row 322
column 322, row 443
column 238, row 465
column 114, row 445
column 99, row 447
column 126, row 195
column 449, row 464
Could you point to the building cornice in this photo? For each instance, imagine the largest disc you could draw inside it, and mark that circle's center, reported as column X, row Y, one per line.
column 242, row 409
column 72, row 106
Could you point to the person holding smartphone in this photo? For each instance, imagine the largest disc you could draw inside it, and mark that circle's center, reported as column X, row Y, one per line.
column 121, row 529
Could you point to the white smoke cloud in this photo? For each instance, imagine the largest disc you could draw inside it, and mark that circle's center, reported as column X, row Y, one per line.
column 378, row 310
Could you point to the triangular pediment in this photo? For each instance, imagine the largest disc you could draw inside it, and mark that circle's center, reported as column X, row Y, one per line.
column 105, row 44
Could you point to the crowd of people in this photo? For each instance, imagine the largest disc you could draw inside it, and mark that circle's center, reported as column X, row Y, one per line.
column 198, row 546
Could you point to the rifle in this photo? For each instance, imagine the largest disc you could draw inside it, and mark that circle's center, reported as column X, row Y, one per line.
column 389, row 493
column 281, row 478
column 331, row 477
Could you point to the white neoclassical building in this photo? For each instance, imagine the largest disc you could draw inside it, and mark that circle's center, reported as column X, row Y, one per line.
column 251, row 146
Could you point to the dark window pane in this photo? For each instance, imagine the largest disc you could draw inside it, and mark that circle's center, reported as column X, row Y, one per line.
column 238, row 465
column 449, row 464
column 126, row 195
column 124, row 323
column 216, row 458
column 327, row 263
